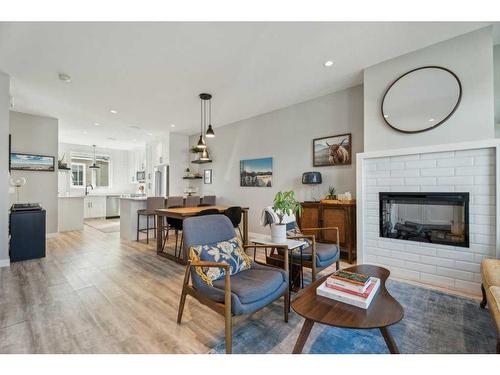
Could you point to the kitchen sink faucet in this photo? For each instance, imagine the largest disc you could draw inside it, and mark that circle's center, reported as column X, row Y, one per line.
column 86, row 191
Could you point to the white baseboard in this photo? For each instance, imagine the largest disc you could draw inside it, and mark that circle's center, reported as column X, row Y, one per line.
column 52, row 235
column 4, row 263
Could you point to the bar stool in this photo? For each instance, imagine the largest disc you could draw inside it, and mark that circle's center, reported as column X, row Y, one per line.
column 152, row 204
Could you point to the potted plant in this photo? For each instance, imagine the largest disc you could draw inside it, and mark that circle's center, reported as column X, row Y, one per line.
column 332, row 193
column 284, row 204
column 61, row 164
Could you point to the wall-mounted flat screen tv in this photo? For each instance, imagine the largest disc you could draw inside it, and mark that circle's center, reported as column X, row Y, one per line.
column 28, row 162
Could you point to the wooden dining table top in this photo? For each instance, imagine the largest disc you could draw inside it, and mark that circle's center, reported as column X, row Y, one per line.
column 190, row 211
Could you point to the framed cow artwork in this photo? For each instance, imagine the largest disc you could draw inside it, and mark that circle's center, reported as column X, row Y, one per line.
column 332, row 150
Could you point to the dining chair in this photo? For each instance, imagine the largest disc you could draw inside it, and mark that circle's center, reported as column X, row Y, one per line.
column 175, row 225
column 192, row 200
column 234, row 214
column 209, row 211
column 243, row 292
column 175, row 201
column 152, row 204
column 208, row 200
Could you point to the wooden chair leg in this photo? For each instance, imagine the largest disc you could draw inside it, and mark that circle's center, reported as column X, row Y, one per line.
column 183, row 294
column 483, row 302
column 228, row 316
column 337, row 263
column 154, row 222
column 286, row 307
column 181, row 250
column 176, row 237
column 241, row 235
column 147, row 229
column 138, row 216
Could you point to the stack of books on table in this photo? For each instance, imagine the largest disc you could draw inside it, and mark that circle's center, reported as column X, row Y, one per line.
column 351, row 288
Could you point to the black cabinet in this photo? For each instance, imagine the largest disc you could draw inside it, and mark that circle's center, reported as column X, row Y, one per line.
column 27, row 235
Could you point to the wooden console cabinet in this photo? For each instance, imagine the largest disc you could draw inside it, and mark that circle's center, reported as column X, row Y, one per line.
column 332, row 214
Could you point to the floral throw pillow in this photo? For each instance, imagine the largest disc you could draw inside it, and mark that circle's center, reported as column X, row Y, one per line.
column 230, row 252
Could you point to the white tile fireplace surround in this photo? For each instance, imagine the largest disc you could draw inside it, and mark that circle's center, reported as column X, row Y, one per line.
column 465, row 167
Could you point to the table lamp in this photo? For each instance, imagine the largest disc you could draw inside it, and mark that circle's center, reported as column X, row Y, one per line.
column 312, row 178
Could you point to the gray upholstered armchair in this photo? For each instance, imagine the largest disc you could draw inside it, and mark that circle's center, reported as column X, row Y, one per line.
column 316, row 256
column 242, row 293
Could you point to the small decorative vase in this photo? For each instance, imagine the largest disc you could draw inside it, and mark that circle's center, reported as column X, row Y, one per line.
column 278, row 233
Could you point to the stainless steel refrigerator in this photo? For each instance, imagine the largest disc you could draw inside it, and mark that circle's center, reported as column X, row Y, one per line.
column 161, row 181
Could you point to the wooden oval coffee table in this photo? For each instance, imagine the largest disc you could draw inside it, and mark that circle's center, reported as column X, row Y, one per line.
column 384, row 310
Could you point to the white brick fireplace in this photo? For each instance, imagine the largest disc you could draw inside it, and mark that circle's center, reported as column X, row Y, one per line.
column 464, row 167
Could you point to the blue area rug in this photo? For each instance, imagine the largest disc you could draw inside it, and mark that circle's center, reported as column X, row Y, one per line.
column 434, row 322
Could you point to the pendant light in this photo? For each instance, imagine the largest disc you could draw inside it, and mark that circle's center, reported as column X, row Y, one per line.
column 203, row 114
column 94, row 165
column 210, row 131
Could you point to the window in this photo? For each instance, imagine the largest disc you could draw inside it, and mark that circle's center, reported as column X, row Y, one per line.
column 82, row 175
column 77, row 174
column 102, row 174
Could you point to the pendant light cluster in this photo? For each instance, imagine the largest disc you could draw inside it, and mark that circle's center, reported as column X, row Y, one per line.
column 94, row 164
column 205, row 131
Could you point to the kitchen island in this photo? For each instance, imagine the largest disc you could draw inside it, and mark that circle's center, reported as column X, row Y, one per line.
column 128, row 217
column 70, row 213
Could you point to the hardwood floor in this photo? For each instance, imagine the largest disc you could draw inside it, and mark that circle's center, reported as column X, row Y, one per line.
column 95, row 293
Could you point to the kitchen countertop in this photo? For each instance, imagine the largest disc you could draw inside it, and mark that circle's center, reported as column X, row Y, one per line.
column 122, row 196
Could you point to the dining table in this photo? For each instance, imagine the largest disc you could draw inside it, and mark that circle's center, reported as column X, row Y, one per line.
column 183, row 213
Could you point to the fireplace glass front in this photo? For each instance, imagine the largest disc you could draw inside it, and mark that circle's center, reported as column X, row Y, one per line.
column 441, row 218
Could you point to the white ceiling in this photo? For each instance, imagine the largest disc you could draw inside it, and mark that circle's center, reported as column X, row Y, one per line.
column 152, row 73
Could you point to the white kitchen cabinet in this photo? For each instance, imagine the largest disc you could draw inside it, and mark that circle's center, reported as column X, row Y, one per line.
column 95, row 206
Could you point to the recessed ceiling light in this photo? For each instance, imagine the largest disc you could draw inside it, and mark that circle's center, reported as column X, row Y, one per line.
column 97, row 124
column 431, row 120
column 328, row 63
column 64, row 77
column 173, row 125
column 113, row 111
column 385, row 116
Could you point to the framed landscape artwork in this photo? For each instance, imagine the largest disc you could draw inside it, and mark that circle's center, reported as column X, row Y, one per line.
column 28, row 162
column 256, row 172
column 333, row 150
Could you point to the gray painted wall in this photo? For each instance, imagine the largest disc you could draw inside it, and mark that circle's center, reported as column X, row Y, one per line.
column 37, row 135
column 496, row 72
column 286, row 135
column 470, row 56
column 178, row 161
column 4, row 169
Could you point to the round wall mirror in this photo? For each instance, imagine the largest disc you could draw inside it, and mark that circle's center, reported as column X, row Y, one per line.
column 421, row 99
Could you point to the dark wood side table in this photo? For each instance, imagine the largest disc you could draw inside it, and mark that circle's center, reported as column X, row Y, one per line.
column 383, row 311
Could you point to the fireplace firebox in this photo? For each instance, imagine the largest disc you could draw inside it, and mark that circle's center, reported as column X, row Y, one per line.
column 441, row 218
